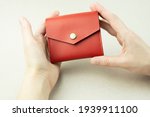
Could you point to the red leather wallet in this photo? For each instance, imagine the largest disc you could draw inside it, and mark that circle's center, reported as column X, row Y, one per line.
column 74, row 36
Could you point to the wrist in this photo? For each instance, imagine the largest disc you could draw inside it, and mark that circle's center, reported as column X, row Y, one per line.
column 35, row 85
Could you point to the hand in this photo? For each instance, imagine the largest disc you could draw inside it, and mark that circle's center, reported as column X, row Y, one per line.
column 40, row 75
column 135, row 54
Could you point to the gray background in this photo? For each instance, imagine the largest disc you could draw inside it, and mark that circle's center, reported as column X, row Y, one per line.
column 79, row 79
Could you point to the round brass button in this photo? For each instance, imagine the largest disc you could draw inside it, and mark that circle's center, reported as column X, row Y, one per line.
column 73, row 36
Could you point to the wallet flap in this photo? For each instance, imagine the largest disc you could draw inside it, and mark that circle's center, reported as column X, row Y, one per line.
column 72, row 28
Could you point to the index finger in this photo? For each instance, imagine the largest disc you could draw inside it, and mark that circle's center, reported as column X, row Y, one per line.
column 112, row 19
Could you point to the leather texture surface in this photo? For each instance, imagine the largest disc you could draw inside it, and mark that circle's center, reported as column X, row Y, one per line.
column 88, row 42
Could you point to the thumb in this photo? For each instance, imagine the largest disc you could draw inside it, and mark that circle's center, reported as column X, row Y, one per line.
column 107, row 61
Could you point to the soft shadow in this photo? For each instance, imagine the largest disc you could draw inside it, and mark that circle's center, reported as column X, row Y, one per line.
column 113, row 75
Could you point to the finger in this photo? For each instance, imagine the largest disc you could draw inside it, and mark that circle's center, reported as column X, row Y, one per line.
column 58, row 64
column 26, row 28
column 47, row 50
column 42, row 28
column 113, row 20
column 26, row 32
column 107, row 61
column 107, row 27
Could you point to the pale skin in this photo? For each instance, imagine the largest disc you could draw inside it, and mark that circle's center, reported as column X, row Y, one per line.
column 135, row 54
column 41, row 75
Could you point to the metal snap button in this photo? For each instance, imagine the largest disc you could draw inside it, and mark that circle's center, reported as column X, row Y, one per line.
column 73, row 36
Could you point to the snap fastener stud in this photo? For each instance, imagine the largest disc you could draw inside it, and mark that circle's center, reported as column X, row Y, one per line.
column 73, row 36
